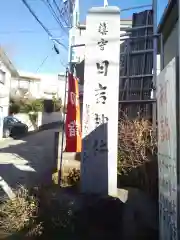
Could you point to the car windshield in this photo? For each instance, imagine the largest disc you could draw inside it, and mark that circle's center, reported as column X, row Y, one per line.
column 12, row 119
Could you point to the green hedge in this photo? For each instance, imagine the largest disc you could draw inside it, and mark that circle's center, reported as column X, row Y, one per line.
column 31, row 105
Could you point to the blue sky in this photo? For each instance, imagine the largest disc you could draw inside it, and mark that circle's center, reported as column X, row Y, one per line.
column 27, row 44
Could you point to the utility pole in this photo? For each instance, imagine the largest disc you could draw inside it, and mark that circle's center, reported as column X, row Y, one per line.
column 75, row 21
column 106, row 3
column 74, row 24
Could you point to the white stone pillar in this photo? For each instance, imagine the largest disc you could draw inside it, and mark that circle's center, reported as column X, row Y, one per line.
column 100, row 102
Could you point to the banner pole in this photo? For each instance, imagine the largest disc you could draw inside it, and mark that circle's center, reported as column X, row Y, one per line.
column 63, row 131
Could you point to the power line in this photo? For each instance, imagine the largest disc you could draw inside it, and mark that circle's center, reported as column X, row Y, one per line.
column 42, row 25
column 42, row 63
column 54, row 14
column 37, row 19
column 60, row 12
column 45, row 59
column 25, row 31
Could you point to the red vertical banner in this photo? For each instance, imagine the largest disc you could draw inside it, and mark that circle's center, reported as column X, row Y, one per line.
column 73, row 124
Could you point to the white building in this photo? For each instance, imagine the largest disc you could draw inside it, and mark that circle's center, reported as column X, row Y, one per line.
column 7, row 70
column 25, row 86
column 44, row 86
column 52, row 85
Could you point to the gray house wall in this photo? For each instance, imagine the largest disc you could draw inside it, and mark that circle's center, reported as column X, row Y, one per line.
column 169, row 28
column 171, row 48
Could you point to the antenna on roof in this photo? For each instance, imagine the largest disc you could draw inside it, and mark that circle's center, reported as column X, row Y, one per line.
column 105, row 3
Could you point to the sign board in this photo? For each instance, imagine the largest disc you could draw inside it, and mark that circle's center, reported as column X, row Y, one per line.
column 74, row 55
column 167, row 151
column 73, row 50
column 100, row 103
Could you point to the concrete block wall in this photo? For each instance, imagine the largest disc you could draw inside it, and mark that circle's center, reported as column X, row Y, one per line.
column 43, row 119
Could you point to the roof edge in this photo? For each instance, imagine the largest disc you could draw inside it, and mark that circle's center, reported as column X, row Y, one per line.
column 166, row 14
column 29, row 78
column 8, row 63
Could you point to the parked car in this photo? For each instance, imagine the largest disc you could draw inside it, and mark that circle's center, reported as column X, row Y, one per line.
column 13, row 127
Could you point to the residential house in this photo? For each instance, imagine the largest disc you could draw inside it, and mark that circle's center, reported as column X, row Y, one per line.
column 25, row 86
column 52, row 85
column 169, row 28
column 45, row 86
column 7, row 71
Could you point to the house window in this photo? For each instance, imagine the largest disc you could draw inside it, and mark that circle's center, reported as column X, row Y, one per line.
column 73, row 40
column 24, row 84
column 2, row 77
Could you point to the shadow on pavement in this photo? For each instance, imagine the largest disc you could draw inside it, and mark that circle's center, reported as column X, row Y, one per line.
column 96, row 217
column 28, row 161
column 41, row 128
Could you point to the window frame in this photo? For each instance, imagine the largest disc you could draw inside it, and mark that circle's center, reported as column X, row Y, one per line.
column 3, row 74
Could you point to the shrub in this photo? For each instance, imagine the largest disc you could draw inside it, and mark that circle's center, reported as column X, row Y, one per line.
column 43, row 212
column 14, row 108
column 25, row 105
column 57, row 104
column 73, row 176
column 31, row 105
column 137, row 140
column 20, row 213
column 137, row 158
column 69, row 177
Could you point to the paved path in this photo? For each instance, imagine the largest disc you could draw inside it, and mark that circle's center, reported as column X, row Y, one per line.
column 27, row 160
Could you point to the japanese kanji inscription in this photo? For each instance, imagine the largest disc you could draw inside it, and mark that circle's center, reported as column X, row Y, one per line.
column 101, row 86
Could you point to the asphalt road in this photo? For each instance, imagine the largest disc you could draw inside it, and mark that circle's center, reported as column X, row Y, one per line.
column 27, row 160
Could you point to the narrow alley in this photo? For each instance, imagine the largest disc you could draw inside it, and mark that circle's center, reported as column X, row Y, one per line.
column 25, row 161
